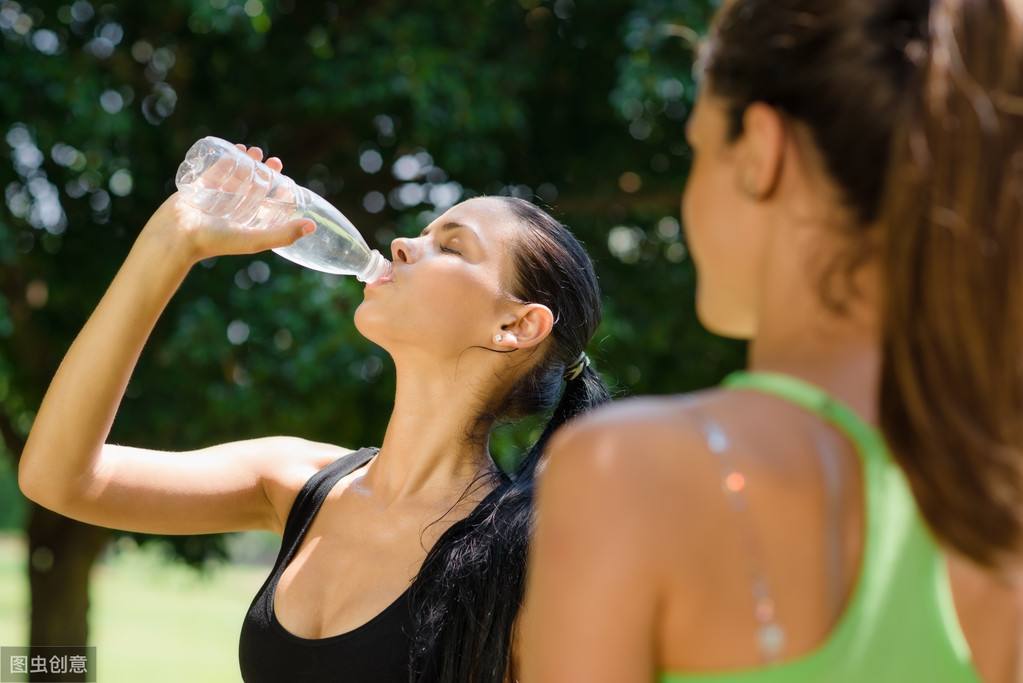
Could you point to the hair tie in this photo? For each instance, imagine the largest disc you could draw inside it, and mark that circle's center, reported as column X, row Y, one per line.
column 576, row 367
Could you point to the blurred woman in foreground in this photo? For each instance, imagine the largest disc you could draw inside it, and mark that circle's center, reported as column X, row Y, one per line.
column 851, row 508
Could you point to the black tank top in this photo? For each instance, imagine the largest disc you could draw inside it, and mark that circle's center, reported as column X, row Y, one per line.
column 376, row 651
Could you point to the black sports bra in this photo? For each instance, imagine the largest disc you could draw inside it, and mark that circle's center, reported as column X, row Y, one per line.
column 376, row 651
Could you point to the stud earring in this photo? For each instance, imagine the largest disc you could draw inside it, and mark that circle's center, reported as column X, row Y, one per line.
column 751, row 191
column 498, row 338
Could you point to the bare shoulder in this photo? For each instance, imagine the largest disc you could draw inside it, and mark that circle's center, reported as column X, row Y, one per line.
column 653, row 449
column 298, row 450
column 631, row 469
column 282, row 458
column 637, row 445
column 287, row 463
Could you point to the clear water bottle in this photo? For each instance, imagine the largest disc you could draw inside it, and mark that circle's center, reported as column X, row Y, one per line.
column 218, row 178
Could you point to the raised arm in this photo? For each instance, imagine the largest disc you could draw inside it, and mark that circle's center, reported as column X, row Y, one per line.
column 66, row 465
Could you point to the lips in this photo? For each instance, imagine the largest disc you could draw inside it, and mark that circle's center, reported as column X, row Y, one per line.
column 379, row 281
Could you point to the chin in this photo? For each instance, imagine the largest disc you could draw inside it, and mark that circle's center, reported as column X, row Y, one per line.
column 366, row 325
column 379, row 328
column 724, row 323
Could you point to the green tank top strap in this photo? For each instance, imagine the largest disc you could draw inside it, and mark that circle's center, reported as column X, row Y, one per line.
column 868, row 439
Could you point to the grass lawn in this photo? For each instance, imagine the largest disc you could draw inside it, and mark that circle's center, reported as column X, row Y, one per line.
column 151, row 620
column 13, row 592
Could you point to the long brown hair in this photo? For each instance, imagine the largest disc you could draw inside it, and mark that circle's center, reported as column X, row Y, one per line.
column 952, row 383
column 917, row 109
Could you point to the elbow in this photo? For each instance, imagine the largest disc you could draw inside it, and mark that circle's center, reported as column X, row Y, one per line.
column 41, row 485
column 31, row 481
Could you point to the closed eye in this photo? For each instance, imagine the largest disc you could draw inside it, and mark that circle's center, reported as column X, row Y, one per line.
column 449, row 250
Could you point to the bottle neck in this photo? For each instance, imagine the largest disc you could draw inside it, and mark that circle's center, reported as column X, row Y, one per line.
column 376, row 267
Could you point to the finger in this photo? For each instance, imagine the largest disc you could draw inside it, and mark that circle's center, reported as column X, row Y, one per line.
column 300, row 227
column 297, row 229
column 274, row 163
column 280, row 236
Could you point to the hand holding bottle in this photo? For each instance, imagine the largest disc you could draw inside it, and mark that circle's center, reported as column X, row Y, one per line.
column 197, row 235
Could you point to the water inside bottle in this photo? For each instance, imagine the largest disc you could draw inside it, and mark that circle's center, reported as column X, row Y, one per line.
column 215, row 184
column 271, row 211
column 241, row 191
column 258, row 188
column 330, row 248
column 209, row 199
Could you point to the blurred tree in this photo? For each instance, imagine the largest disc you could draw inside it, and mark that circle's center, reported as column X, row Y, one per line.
column 394, row 111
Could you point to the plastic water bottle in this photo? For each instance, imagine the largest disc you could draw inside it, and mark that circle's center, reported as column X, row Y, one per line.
column 218, row 178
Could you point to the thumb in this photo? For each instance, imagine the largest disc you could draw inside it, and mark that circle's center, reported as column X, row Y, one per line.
column 283, row 235
column 298, row 229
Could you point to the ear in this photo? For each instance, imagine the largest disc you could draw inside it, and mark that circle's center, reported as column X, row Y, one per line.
column 526, row 326
column 763, row 144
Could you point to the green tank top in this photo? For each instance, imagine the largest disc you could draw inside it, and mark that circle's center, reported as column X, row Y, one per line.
column 899, row 624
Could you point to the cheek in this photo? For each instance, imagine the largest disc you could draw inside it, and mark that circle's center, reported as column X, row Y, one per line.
column 456, row 312
column 445, row 308
column 452, row 294
column 706, row 205
column 717, row 235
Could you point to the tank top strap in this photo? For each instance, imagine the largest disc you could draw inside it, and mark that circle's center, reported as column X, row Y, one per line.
column 315, row 491
column 887, row 591
column 867, row 439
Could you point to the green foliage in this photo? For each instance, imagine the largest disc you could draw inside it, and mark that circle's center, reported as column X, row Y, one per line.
column 12, row 503
column 393, row 110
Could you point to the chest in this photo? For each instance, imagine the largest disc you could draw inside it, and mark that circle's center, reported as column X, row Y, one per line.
column 351, row 565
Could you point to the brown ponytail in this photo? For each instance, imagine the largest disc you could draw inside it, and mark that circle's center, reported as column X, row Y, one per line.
column 952, row 379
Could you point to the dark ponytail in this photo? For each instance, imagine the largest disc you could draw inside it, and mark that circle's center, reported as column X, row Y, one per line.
column 952, row 380
column 468, row 592
column 916, row 107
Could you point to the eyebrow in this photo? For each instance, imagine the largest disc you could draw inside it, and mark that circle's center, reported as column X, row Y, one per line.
column 453, row 225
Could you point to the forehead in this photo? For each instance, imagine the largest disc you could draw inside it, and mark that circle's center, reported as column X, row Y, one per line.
column 493, row 223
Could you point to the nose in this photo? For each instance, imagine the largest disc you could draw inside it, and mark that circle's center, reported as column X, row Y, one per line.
column 403, row 249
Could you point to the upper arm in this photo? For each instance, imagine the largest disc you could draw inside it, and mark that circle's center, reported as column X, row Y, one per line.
column 234, row 486
column 592, row 591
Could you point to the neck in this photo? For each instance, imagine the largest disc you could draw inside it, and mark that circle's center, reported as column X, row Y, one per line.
column 434, row 445
column 847, row 368
column 799, row 335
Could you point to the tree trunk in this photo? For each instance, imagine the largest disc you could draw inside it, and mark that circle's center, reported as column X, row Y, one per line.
column 61, row 553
